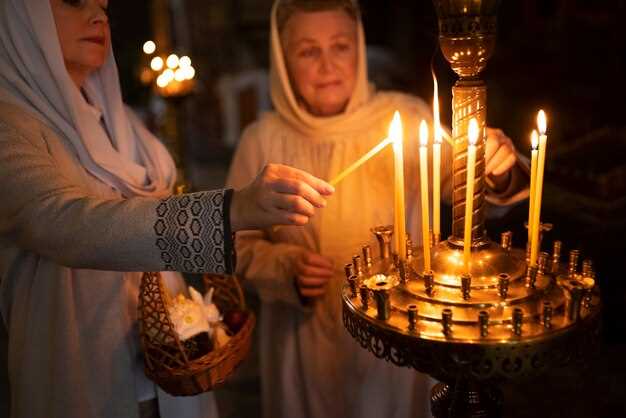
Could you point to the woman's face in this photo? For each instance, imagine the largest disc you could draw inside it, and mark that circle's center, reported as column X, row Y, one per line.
column 83, row 30
column 321, row 55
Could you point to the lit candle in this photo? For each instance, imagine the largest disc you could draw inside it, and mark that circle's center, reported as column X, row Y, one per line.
column 472, row 138
column 534, row 141
column 396, row 135
column 424, row 193
column 361, row 160
column 543, row 139
column 436, row 163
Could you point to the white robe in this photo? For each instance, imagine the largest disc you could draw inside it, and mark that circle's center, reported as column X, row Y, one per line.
column 310, row 365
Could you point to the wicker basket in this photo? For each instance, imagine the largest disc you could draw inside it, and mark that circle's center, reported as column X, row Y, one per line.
column 168, row 361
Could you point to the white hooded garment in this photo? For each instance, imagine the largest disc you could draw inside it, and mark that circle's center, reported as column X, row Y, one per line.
column 310, row 366
column 80, row 191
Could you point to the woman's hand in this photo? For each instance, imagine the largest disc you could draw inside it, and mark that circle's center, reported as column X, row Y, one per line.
column 280, row 195
column 500, row 157
column 313, row 271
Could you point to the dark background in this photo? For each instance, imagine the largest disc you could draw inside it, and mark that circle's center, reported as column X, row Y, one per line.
column 565, row 56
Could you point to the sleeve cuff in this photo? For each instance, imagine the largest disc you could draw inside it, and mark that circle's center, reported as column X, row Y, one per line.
column 229, row 235
column 193, row 232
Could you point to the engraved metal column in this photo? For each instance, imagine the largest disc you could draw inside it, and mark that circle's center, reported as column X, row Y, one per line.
column 467, row 36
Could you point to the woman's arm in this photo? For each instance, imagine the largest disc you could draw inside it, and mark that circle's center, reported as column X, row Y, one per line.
column 47, row 212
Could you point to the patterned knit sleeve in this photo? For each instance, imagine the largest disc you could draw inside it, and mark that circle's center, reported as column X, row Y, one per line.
column 193, row 232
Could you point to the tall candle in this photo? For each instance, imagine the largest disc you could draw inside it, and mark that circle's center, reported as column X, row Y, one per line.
column 543, row 139
column 396, row 135
column 534, row 141
column 436, row 163
column 424, row 193
column 472, row 137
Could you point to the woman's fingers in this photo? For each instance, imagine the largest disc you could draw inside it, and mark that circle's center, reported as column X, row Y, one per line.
column 312, row 271
column 292, row 203
column 501, row 160
column 298, row 188
column 319, row 185
column 280, row 195
column 312, row 282
column 505, row 165
column 499, row 151
column 312, row 292
column 285, row 217
column 492, row 143
column 318, row 260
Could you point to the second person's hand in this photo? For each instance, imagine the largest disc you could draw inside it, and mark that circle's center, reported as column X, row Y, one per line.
column 313, row 271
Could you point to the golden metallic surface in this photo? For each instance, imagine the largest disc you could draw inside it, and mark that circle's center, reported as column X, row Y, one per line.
column 490, row 263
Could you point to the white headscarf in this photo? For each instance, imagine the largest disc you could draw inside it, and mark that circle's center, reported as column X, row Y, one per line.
column 33, row 76
column 363, row 105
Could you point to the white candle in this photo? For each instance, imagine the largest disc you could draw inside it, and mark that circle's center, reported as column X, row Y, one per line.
column 543, row 139
column 534, row 141
column 396, row 135
column 424, row 193
column 472, row 137
column 361, row 161
column 436, row 162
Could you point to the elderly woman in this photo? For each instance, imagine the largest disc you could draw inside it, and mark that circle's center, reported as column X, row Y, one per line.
column 85, row 206
column 328, row 115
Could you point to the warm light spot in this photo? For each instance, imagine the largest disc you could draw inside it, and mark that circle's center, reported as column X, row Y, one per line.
column 534, row 140
column 184, row 62
column 179, row 75
column 472, row 131
column 189, row 72
column 436, row 119
column 168, row 75
column 172, row 61
column 542, row 123
column 149, row 47
column 380, row 278
column 156, row 64
column 395, row 131
column 423, row 133
column 162, row 81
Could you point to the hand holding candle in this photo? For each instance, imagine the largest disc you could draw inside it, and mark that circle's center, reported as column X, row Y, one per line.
column 472, row 137
column 424, row 193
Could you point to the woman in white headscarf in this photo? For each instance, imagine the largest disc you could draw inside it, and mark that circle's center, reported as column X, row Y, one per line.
column 86, row 205
column 327, row 116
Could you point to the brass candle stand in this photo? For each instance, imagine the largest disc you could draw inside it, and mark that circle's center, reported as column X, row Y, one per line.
column 504, row 320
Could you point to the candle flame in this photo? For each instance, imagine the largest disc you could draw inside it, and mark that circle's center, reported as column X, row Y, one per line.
column 436, row 117
column 149, row 47
column 423, row 133
column 172, row 61
column 472, row 131
column 156, row 64
column 184, row 61
column 542, row 123
column 395, row 130
column 534, row 140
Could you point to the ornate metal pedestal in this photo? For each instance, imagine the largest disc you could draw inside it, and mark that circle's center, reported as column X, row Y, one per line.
column 473, row 337
column 504, row 320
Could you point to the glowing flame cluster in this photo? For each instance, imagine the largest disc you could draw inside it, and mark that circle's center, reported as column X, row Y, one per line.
column 174, row 75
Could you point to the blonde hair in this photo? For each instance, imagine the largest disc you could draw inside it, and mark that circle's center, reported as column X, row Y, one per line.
column 286, row 8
